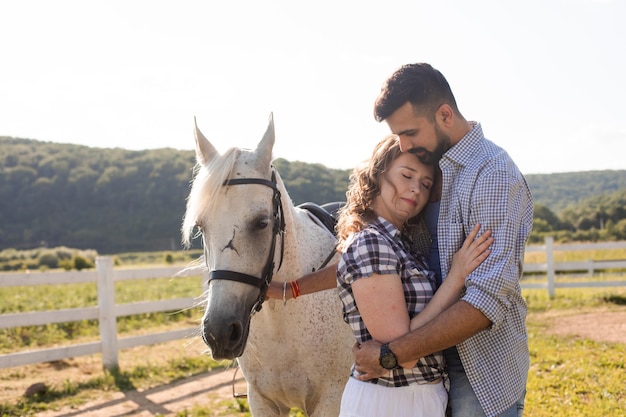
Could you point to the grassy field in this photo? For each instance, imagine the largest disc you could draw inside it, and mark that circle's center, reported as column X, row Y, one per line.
column 572, row 376
column 53, row 297
column 578, row 255
column 569, row 376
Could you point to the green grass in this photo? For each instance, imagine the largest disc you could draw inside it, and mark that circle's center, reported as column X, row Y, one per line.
column 571, row 376
column 577, row 255
column 574, row 298
column 152, row 258
column 54, row 297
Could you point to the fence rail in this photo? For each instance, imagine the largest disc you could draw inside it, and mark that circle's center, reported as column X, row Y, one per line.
column 107, row 311
column 550, row 267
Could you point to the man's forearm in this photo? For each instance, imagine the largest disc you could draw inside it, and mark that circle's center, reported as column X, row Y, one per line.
column 452, row 326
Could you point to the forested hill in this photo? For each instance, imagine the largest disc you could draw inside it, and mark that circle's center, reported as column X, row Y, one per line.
column 116, row 200
column 560, row 190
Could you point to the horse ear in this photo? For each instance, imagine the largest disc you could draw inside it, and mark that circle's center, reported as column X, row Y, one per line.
column 205, row 152
column 264, row 148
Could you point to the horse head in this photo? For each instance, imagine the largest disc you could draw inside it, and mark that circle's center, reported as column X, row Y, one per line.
column 235, row 204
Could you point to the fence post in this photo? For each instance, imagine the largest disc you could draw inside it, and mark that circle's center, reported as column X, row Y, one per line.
column 107, row 319
column 550, row 265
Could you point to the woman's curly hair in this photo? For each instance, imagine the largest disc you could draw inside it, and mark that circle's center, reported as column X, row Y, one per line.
column 364, row 188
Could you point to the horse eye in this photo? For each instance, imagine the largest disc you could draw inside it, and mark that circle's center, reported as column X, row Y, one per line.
column 261, row 223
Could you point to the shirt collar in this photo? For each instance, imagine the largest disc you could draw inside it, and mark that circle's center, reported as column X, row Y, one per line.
column 386, row 226
column 462, row 152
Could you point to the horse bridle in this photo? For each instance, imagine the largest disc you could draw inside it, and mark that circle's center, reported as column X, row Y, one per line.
column 277, row 228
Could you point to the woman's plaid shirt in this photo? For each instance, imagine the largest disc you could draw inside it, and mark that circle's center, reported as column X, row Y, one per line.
column 381, row 249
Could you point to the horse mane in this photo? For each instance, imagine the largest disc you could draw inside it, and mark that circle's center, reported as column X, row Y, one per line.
column 206, row 186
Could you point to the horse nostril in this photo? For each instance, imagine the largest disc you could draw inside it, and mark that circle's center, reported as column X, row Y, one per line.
column 235, row 333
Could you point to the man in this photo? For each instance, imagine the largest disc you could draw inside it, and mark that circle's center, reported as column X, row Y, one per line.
column 480, row 184
column 484, row 333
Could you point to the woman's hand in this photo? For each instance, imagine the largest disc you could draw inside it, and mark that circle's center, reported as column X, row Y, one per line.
column 473, row 252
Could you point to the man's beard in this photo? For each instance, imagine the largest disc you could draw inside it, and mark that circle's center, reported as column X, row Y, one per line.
column 432, row 157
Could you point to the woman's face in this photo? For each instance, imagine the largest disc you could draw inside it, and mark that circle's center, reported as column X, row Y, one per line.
column 404, row 189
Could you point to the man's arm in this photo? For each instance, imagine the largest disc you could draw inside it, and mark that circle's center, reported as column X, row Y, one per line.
column 320, row 280
column 452, row 326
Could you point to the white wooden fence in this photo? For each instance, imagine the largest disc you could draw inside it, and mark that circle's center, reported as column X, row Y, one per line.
column 589, row 267
column 107, row 310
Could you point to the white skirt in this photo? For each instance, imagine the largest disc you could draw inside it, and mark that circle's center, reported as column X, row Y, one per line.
column 364, row 399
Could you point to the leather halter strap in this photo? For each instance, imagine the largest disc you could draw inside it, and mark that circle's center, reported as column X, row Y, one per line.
column 235, row 276
column 271, row 184
column 278, row 229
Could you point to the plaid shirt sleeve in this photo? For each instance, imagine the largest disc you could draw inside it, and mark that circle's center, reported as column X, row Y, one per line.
column 366, row 253
column 369, row 253
column 497, row 206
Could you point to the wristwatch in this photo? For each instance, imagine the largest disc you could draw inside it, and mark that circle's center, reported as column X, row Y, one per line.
column 387, row 358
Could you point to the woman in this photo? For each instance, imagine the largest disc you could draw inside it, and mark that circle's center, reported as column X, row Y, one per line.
column 383, row 285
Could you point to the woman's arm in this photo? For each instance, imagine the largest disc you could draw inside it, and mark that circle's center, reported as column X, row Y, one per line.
column 381, row 303
column 320, row 280
column 473, row 252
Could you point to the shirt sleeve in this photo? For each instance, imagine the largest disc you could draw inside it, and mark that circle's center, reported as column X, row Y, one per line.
column 501, row 202
column 367, row 254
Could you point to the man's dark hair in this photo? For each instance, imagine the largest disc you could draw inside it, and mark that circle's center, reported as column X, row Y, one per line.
column 420, row 84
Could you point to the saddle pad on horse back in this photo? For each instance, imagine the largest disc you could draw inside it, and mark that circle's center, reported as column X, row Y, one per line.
column 326, row 213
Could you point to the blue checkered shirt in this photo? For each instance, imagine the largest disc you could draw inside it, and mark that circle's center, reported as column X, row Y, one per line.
column 481, row 184
column 380, row 249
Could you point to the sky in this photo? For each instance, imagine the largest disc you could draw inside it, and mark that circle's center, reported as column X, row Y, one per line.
column 545, row 78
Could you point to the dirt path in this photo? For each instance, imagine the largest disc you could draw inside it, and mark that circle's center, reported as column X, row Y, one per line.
column 212, row 389
column 599, row 325
column 215, row 387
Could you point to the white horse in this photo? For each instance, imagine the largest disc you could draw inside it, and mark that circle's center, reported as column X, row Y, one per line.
column 296, row 354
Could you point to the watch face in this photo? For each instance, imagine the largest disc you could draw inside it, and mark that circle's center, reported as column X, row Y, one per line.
column 388, row 361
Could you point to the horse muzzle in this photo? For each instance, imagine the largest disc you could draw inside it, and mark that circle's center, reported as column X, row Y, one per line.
column 226, row 321
column 226, row 337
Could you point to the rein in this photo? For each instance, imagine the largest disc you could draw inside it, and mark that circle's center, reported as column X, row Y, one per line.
column 277, row 229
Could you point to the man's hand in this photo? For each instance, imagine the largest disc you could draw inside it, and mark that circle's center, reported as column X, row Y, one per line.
column 367, row 360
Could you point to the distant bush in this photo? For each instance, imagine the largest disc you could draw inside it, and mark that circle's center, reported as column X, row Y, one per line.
column 63, row 252
column 169, row 258
column 46, row 258
column 81, row 262
column 66, row 264
column 8, row 255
